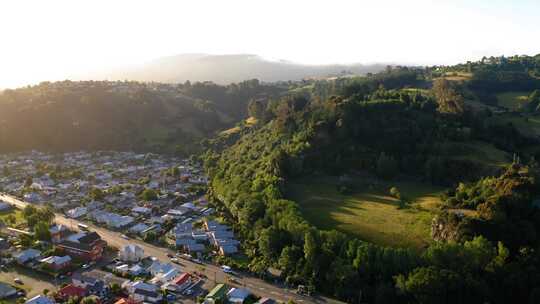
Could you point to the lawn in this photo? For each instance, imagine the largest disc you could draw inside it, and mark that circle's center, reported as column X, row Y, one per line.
column 15, row 212
column 372, row 214
column 512, row 100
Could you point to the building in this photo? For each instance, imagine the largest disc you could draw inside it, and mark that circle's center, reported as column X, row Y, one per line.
column 84, row 246
column 71, row 291
column 131, row 253
column 56, row 263
column 27, row 255
column 40, row 299
column 6, row 290
column 217, row 294
column 238, row 295
column 58, row 232
column 143, row 292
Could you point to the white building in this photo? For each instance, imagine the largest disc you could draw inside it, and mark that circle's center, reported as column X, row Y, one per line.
column 131, row 253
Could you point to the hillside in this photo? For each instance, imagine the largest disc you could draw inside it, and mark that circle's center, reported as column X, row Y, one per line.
column 225, row 69
column 66, row 116
column 343, row 189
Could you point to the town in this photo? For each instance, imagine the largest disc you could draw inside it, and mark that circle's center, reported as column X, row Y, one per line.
column 116, row 227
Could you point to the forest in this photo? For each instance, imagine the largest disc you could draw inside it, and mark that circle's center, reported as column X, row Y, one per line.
column 400, row 124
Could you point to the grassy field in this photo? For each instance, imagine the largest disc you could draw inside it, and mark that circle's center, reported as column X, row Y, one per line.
column 485, row 153
column 371, row 214
column 512, row 100
column 528, row 126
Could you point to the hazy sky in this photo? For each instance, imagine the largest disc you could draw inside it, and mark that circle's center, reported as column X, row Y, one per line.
column 55, row 39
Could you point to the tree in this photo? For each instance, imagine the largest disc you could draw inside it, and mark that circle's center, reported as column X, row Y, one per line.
column 11, row 219
column 41, row 231
column 394, row 192
column 449, row 100
column 256, row 108
column 28, row 181
column 149, row 195
column 387, row 167
column 97, row 194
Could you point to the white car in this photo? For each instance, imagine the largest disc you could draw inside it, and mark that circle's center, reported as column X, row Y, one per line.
column 226, row 269
column 18, row 281
column 125, row 237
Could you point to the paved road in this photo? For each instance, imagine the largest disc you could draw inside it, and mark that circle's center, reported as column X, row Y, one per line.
column 214, row 273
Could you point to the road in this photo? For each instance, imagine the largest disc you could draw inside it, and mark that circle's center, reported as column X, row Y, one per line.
column 213, row 272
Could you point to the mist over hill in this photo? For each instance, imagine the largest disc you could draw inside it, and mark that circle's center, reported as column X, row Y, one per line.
column 225, row 69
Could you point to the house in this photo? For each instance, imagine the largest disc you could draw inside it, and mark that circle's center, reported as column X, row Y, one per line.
column 4, row 206
column 27, row 255
column 71, row 291
column 56, row 263
column 141, row 210
column 127, row 301
column 143, row 292
column 226, row 250
column 77, row 212
column 131, row 253
column 138, row 228
column 238, row 295
column 58, row 232
column 193, row 248
column 6, row 290
column 265, row 301
column 183, row 281
column 85, row 246
column 93, row 285
column 40, row 299
column 217, row 294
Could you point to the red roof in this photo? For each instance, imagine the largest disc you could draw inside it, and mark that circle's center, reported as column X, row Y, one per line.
column 182, row 278
column 72, row 291
column 126, row 301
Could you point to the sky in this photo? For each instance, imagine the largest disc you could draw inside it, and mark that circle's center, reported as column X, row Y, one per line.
column 61, row 39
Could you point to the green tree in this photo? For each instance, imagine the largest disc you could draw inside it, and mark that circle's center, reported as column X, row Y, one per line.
column 149, row 195
column 387, row 167
column 41, row 231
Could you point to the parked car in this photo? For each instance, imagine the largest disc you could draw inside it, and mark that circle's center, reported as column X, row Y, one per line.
column 197, row 261
column 85, row 266
column 18, row 281
column 170, row 255
column 125, row 237
column 188, row 292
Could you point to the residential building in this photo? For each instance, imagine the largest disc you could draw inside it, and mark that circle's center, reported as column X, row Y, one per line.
column 56, row 263
column 85, row 246
column 131, row 253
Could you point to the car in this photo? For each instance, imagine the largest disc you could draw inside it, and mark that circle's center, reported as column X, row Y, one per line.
column 197, row 261
column 170, row 255
column 176, row 261
column 85, row 266
column 170, row 297
column 188, row 292
column 226, row 269
column 61, row 277
column 125, row 237
column 20, row 294
column 186, row 257
column 18, row 281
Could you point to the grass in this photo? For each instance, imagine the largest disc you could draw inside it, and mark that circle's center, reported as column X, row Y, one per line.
column 485, row 153
column 526, row 125
column 512, row 100
column 372, row 214
column 16, row 212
